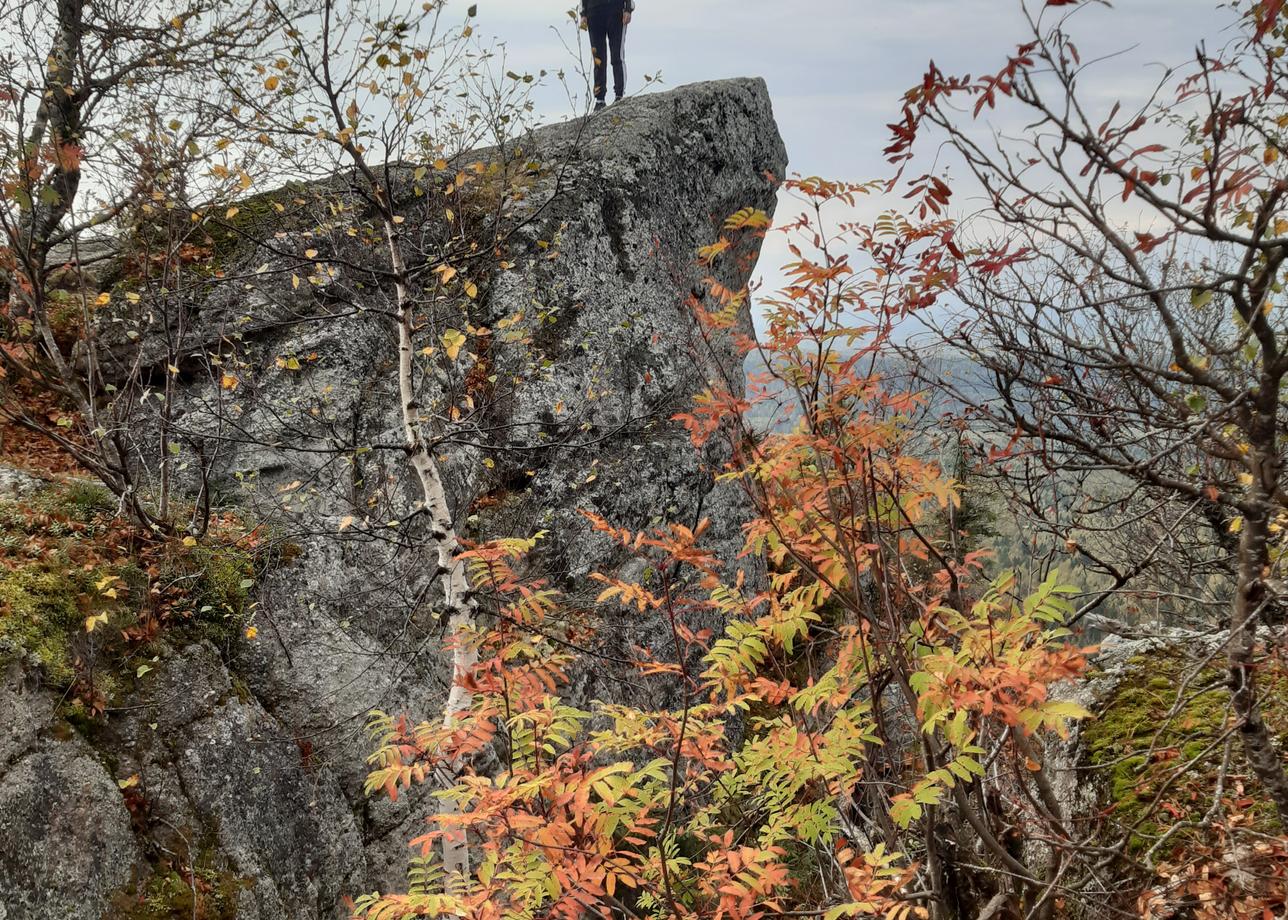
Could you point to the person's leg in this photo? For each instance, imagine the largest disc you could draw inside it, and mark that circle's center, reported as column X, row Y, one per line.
column 598, row 24
column 617, row 42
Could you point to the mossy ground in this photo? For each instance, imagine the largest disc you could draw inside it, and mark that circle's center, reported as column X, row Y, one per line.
column 1159, row 758
column 86, row 596
column 54, row 580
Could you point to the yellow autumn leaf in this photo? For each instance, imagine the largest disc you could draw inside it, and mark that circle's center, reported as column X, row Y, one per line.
column 229, row 382
column 346, row 522
column 271, row 83
column 189, row 541
column 453, row 340
column 129, row 783
column 103, row 299
column 471, row 290
column 295, row 281
column 92, row 622
column 251, row 632
column 748, row 218
column 231, row 213
column 445, row 273
column 310, row 253
column 440, row 163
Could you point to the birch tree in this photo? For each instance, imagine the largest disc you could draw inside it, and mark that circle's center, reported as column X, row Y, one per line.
column 390, row 99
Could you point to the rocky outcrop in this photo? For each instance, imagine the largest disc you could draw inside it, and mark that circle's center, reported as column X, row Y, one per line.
column 65, row 836
column 245, row 759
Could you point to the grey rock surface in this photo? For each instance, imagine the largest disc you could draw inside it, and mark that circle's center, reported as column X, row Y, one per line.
column 14, row 483
column 66, row 843
column 254, row 754
column 218, row 770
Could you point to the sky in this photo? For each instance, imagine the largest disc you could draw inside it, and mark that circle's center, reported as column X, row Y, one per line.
column 836, row 69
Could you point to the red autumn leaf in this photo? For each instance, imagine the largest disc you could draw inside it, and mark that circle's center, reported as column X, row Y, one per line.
column 1269, row 13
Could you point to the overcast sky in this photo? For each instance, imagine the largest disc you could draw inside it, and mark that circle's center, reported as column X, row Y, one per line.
column 836, row 69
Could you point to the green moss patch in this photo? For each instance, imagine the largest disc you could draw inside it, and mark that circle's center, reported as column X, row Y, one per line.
column 87, row 598
column 66, row 591
column 1159, row 743
column 180, row 893
column 255, row 217
column 45, row 609
column 210, row 587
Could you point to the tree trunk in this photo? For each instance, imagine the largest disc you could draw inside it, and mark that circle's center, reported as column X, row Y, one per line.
column 457, row 597
column 1249, row 599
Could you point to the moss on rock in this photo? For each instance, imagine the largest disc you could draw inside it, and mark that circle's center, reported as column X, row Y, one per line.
column 255, row 217
column 215, row 584
column 43, row 612
column 55, row 583
column 1161, row 717
column 204, row 892
column 84, row 595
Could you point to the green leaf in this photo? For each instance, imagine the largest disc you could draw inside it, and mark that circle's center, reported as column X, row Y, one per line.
column 1065, row 709
column 904, row 811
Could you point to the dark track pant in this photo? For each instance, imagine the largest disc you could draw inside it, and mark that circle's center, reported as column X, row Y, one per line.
column 608, row 34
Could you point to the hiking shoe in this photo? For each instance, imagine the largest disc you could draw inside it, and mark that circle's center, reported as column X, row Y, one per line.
column 600, row 105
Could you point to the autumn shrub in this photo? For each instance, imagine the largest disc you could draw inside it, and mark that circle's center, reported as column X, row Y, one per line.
column 850, row 735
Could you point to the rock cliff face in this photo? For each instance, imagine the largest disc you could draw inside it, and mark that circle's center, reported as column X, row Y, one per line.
column 250, row 754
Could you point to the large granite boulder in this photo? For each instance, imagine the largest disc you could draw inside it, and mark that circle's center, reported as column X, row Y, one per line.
column 236, row 767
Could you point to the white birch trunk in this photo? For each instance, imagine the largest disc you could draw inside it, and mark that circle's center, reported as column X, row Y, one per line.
column 456, row 589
